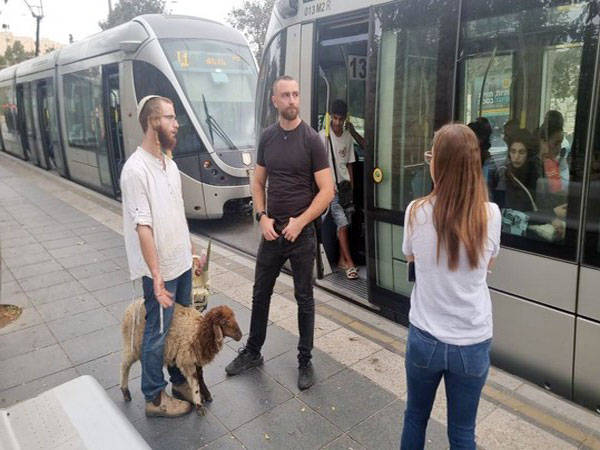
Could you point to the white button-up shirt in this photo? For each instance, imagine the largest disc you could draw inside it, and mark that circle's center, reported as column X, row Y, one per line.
column 151, row 195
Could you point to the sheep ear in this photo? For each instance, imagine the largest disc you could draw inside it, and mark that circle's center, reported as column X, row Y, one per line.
column 218, row 333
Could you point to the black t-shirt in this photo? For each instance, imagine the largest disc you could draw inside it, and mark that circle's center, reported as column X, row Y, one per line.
column 291, row 159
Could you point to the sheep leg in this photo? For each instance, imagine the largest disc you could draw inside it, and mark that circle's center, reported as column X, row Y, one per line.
column 203, row 388
column 125, row 366
column 190, row 375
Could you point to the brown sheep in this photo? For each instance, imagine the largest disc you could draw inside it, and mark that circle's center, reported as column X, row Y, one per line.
column 193, row 341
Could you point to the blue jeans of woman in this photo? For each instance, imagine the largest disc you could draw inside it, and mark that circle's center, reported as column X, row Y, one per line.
column 153, row 344
column 269, row 261
column 464, row 368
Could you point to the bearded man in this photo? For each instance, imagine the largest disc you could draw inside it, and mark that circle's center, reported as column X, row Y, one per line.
column 159, row 248
column 292, row 158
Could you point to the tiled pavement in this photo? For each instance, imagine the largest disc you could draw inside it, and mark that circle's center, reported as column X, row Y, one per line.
column 62, row 260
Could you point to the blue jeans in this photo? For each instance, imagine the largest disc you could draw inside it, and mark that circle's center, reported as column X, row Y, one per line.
column 153, row 344
column 464, row 368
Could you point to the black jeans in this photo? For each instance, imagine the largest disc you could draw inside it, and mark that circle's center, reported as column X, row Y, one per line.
column 271, row 257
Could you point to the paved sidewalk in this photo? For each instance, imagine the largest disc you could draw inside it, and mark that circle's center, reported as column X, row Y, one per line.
column 63, row 261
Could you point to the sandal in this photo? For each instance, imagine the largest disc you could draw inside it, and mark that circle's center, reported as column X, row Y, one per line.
column 351, row 273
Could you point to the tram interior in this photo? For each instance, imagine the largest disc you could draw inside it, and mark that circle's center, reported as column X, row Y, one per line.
column 342, row 60
column 522, row 83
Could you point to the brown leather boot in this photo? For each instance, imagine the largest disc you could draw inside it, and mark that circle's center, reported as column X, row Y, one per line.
column 166, row 406
column 183, row 391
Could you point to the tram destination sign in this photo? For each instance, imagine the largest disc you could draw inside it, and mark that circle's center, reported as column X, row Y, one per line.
column 315, row 7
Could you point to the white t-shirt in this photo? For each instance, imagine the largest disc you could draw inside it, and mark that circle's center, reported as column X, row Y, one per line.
column 152, row 196
column 344, row 153
column 455, row 307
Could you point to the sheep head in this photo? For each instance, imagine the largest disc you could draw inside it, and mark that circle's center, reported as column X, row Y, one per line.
column 223, row 322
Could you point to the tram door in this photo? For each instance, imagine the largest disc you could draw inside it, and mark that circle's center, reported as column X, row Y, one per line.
column 340, row 73
column 30, row 103
column 49, row 126
column 22, row 122
column 112, row 109
column 43, row 120
column 411, row 72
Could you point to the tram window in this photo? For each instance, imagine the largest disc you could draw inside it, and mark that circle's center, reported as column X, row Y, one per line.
column 219, row 81
column 8, row 113
column 84, row 109
column 273, row 66
column 50, row 112
column 406, row 114
column 519, row 78
column 151, row 81
column 28, row 111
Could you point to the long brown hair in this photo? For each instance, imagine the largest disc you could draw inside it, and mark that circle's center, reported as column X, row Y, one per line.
column 459, row 212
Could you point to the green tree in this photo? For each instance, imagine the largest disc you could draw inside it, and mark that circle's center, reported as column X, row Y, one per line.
column 126, row 10
column 252, row 19
column 16, row 53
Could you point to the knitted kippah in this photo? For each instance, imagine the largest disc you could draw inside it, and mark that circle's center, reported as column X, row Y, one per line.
column 143, row 102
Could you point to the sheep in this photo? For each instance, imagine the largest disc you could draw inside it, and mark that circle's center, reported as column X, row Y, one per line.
column 193, row 341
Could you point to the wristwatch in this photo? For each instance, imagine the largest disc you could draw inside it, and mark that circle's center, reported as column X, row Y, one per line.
column 260, row 214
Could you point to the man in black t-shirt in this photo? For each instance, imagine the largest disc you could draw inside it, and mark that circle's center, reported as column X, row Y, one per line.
column 291, row 156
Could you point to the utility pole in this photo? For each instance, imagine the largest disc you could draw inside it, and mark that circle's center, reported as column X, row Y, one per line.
column 38, row 18
column 109, row 6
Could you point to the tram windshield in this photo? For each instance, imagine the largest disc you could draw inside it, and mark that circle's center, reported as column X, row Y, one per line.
column 219, row 80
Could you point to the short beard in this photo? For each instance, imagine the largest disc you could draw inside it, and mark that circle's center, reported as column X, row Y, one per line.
column 167, row 142
column 289, row 114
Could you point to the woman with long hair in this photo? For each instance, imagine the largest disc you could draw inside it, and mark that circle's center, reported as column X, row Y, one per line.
column 518, row 177
column 452, row 236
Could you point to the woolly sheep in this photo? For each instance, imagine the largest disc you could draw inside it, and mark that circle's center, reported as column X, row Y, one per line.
column 192, row 342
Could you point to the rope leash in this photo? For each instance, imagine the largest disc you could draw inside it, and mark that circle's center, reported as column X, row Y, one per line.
column 162, row 320
column 135, row 313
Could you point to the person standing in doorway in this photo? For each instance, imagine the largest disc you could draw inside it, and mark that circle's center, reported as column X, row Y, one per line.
column 452, row 237
column 340, row 150
column 159, row 248
column 291, row 157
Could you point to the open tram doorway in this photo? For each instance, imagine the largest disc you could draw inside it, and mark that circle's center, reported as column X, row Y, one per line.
column 113, row 124
column 340, row 73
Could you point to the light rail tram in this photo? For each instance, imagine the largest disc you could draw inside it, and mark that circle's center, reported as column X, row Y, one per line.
column 518, row 67
column 74, row 110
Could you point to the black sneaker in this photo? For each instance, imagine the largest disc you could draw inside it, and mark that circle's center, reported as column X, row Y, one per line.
column 306, row 375
column 246, row 359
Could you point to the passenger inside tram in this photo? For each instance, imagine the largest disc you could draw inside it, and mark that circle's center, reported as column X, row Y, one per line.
column 483, row 130
column 532, row 189
column 340, row 149
column 341, row 74
column 553, row 151
column 553, row 178
column 517, row 181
